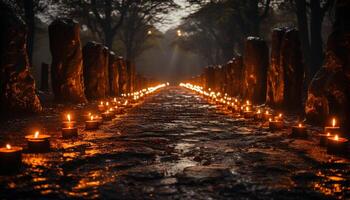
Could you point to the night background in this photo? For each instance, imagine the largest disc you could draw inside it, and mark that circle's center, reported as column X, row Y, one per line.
column 174, row 99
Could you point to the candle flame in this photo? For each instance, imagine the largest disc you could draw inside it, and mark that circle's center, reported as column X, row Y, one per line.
column 259, row 111
column 115, row 99
column 36, row 134
column 101, row 103
column 267, row 112
column 299, row 125
column 68, row 117
column 333, row 122
column 92, row 117
column 248, row 102
column 336, row 137
column 8, row 146
column 247, row 108
column 328, row 134
column 280, row 115
column 107, row 103
column 270, row 119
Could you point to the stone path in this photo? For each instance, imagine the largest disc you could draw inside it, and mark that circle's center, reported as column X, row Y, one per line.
column 177, row 146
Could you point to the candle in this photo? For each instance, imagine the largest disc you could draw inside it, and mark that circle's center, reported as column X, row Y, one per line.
column 69, row 132
column 337, row 145
column 10, row 158
column 275, row 124
column 38, row 143
column 92, row 124
column 258, row 115
column 334, row 129
column 248, row 113
column 101, row 107
column 324, row 138
column 299, row 131
column 68, row 122
column 107, row 116
column 267, row 115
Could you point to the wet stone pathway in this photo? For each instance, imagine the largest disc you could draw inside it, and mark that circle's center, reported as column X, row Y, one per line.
column 175, row 145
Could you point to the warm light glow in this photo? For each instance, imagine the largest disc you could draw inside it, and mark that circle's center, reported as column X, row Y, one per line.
column 89, row 114
column 115, row 99
column 107, row 103
column 259, row 111
column 8, row 146
column 280, row 115
column 68, row 117
column 270, row 119
column 36, row 134
column 333, row 122
column 247, row 108
column 328, row 134
column 300, row 125
column 92, row 118
column 267, row 112
column 336, row 137
column 101, row 103
column 248, row 102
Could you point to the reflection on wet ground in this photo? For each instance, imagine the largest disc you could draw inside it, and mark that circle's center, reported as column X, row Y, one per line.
column 176, row 146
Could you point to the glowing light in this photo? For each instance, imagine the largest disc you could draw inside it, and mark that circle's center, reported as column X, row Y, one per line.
column 270, row 119
column 299, row 125
column 36, row 134
column 92, row 118
column 334, row 122
column 336, row 137
column 8, row 146
column 328, row 134
column 68, row 117
column 259, row 111
column 101, row 103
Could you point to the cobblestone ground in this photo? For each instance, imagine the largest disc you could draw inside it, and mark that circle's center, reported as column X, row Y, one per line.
column 175, row 145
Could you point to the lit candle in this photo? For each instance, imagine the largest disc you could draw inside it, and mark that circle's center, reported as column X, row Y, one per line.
column 107, row 115
column 10, row 158
column 275, row 124
column 267, row 115
column 92, row 124
column 68, row 122
column 337, row 145
column 299, row 131
column 334, row 129
column 101, row 107
column 248, row 113
column 38, row 143
column 258, row 115
column 324, row 138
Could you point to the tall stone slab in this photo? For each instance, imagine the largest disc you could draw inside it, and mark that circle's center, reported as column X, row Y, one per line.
column 113, row 73
column 17, row 85
column 275, row 74
column 123, row 76
column 95, row 60
column 67, row 62
column 255, row 61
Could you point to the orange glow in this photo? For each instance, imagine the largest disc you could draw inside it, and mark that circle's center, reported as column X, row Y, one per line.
column 107, row 103
column 334, row 122
column 270, row 119
column 328, row 134
column 299, row 125
column 247, row 108
column 8, row 146
column 336, row 137
column 267, row 112
column 280, row 115
column 259, row 111
column 92, row 117
column 101, row 103
column 68, row 117
column 248, row 102
column 115, row 99
column 36, row 134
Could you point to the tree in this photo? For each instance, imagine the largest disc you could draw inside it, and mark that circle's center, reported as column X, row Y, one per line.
column 139, row 21
column 310, row 14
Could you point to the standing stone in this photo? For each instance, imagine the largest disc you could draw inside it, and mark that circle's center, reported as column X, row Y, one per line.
column 234, row 76
column 329, row 91
column 293, row 67
column 275, row 74
column 67, row 63
column 113, row 74
column 123, row 75
column 17, row 85
column 255, row 62
column 209, row 77
column 95, row 59
column 131, row 71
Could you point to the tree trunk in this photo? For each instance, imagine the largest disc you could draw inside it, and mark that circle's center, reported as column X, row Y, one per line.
column 30, row 20
column 304, row 35
column 316, row 38
column 109, row 36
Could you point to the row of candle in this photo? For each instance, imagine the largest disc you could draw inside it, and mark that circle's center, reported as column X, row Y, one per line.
column 330, row 138
column 11, row 156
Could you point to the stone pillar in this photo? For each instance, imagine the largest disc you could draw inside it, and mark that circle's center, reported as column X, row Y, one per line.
column 113, row 74
column 209, row 77
column 234, row 76
column 275, row 74
column 255, row 62
column 95, row 59
column 17, row 85
column 293, row 67
column 218, row 79
column 44, row 86
column 123, row 75
column 329, row 90
column 67, row 64
column 131, row 75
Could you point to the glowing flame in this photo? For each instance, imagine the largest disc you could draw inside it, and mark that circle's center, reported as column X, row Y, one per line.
column 270, row 119
column 259, row 111
column 92, row 118
column 328, row 134
column 299, row 125
column 280, row 115
column 115, row 99
column 107, row 103
column 36, row 134
column 248, row 102
column 247, row 108
column 267, row 112
column 101, row 103
column 68, row 117
column 336, row 137
column 8, row 146
column 334, row 122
